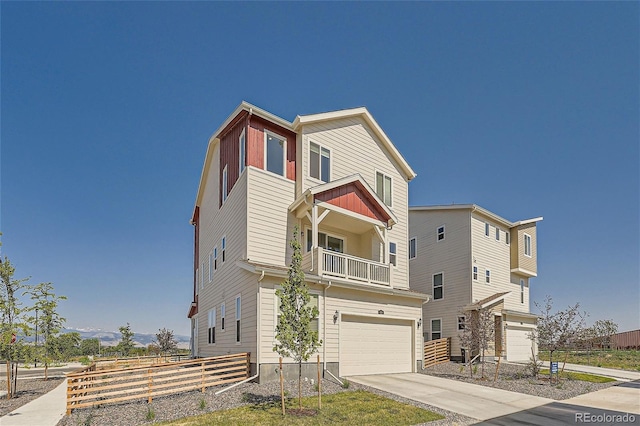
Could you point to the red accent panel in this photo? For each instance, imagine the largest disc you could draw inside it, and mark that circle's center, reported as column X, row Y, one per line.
column 355, row 198
column 255, row 144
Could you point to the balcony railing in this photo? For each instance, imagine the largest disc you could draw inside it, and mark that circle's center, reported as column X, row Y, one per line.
column 350, row 267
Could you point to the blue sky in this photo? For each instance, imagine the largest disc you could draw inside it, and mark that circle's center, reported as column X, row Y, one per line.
column 526, row 109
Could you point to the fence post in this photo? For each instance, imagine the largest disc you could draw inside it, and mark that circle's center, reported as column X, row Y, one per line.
column 319, row 385
column 249, row 364
column 202, row 375
column 150, row 386
column 69, row 389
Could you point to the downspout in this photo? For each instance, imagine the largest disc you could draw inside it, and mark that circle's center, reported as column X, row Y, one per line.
column 236, row 384
column 324, row 329
column 257, row 330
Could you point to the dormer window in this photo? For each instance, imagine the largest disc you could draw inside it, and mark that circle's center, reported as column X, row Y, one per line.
column 319, row 162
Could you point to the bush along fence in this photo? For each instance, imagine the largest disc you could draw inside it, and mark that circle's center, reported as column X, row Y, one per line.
column 436, row 351
column 90, row 387
column 113, row 363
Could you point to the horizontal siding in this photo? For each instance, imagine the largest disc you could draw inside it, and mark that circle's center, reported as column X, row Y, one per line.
column 526, row 262
column 270, row 225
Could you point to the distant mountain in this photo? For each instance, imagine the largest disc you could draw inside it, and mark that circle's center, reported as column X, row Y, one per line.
column 111, row 338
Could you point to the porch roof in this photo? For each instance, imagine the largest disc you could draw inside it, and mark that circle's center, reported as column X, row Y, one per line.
column 487, row 301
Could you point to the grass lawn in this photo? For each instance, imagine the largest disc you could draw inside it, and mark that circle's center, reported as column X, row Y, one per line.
column 623, row 360
column 344, row 408
column 580, row 376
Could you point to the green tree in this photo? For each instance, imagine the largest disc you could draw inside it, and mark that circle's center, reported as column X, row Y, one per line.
column 67, row 345
column 90, row 346
column 295, row 338
column 125, row 346
column 165, row 341
column 49, row 321
column 602, row 331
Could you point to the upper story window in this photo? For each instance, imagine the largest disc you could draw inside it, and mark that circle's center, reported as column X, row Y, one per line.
column 225, row 183
column 438, row 286
column 383, row 187
column 487, row 276
column 327, row 242
column 222, row 315
column 413, row 248
column 319, row 162
column 461, row 323
column 521, row 290
column 393, row 254
column 440, row 233
column 507, row 237
column 527, row 245
column 475, row 273
column 238, row 317
column 242, row 152
column 486, row 229
column 275, row 152
column 497, row 234
column 215, row 258
column 212, row 326
column 224, row 248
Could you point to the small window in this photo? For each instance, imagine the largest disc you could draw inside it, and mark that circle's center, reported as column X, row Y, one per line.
column 486, row 229
column 225, row 180
column 215, row 258
column 275, row 151
column 412, row 248
column 383, row 188
column 436, row 329
column 222, row 315
column 461, row 323
column 393, row 255
column 527, row 245
column 224, row 248
column 507, row 237
column 475, row 273
column 238, row 316
column 437, row 286
column 521, row 291
column 440, row 233
column 210, row 266
column 497, row 234
column 212, row 326
column 319, row 162
column 242, row 147
column 488, row 276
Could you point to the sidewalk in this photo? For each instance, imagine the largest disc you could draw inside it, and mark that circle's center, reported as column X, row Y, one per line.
column 44, row 411
column 622, row 375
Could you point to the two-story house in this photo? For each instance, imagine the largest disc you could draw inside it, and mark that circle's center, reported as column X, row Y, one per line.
column 338, row 177
column 469, row 258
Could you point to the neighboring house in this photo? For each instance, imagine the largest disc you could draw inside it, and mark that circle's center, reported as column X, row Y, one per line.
column 470, row 258
column 340, row 179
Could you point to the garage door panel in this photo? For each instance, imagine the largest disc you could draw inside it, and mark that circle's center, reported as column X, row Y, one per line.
column 518, row 344
column 375, row 346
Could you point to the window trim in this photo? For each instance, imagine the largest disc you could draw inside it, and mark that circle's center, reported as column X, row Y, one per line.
column 320, row 148
column 395, row 254
column 211, row 326
column 268, row 133
column 308, row 229
column 522, row 290
column 487, row 276
column 497, row 234
column 431, row 320
column 223, row 311
column 215, row 258
column 438, row 239
column 225, row 183
column 238, row 308
column 415, row 248
column 507, row 237
column 464, row 320
column 474, row 273
column 487, row 229
column 525, row 236
column 242, row 152
column 433, row 286
column 384, row 175
column 223, row 245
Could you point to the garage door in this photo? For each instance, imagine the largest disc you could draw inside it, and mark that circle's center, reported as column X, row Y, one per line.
column 518, row 344
column 374, row 346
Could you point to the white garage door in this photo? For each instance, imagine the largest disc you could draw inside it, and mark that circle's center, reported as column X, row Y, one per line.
column 518, row 344
column 374, row 346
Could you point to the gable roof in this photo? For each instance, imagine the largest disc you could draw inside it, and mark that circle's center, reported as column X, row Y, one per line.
column 476, row 208
column 487, row 301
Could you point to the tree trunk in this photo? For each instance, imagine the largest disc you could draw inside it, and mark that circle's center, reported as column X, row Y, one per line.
column 300, row 384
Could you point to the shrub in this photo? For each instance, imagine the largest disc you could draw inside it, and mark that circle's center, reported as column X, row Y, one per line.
column 151, row 415
column 203, row 403
column 345, row 384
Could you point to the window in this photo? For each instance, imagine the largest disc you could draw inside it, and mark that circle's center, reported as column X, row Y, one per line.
column 527, row 245
column 319, row 162
column 521, row 291
column 225, row 179
column 461, row 323
column 436, row 329
column 486, row 229
column 507, row 237
column 242, row 147
column 437, row 286
column 215, row 258
column 487, row 275
column 412, row 248
column 275, row 151
column 238, row 316
column 224, row 248
column 222, row 315
column 440, row 233
column 313, row 302
column 327, row 242
column 383, row 188
column 212, row 326
column 393, row 255
column 475, row 273
column 210, row 266
column 497, row 234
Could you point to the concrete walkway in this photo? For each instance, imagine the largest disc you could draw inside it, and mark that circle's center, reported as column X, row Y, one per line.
column 623, row 397
column 44, row 411
column 622, row 375
column 475, row 401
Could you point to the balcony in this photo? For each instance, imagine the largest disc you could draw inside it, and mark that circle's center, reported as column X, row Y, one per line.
column 333, row 264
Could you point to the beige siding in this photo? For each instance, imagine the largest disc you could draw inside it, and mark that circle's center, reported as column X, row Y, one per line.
column 270, row 226
column 518, row 305
column 450, row 256
column 355, row 149
column 519, row 260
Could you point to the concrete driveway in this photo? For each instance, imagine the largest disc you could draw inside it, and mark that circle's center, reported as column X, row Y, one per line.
column 475, row 401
